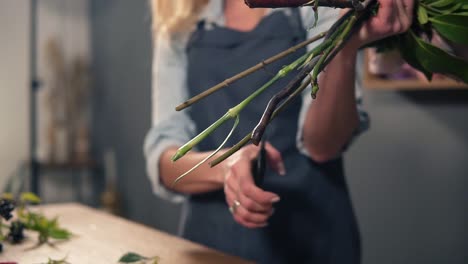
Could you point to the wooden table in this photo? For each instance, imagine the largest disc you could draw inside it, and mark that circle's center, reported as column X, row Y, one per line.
column 103, row 238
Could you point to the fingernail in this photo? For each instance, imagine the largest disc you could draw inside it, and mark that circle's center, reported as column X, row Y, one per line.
column 264, row 225
column 281, row 169
column 272, row 211
column 275, row 199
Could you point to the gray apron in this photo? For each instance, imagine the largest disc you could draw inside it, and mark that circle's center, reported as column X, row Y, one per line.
column 314, row 221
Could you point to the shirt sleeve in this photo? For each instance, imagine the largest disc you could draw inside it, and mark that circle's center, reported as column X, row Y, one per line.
column 327, row 16
column 169, row 88
column 169, row 127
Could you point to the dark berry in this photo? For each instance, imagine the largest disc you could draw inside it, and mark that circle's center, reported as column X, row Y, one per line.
column 6, row 207
column 16, row 234
column 1, row 247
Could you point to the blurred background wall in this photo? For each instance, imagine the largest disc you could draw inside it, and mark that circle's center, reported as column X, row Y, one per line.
column 63, row 29
column 122, row 55
column 409, row 175
column 14, row 80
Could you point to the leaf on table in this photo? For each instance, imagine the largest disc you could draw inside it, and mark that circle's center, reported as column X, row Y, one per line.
column 59, row 261
column 8, row 196
column 45, row 227
column 59, row 233
column 29, row 197
column 131, row 257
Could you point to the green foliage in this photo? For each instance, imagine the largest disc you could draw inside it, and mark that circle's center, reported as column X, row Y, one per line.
column 46, row 228
column 131, row 257
column 423, row 17
column 449, row 18
column 433, row 59
column 453, row 27
column 29, row 197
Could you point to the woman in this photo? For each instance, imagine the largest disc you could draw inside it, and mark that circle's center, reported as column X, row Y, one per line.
column 200, row 43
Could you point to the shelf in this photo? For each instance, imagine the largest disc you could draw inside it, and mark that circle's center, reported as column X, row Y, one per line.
column 375, row 82
column 72, row 165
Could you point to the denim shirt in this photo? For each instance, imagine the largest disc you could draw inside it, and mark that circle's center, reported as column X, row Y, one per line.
column 169, row 88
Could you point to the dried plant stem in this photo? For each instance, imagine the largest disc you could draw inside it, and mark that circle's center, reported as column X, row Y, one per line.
column 249, row 71
column 320, row 53
column 265, row 119
column 333, row 43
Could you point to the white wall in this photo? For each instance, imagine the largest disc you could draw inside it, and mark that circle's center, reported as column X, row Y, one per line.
column 408, row 176
column 14, row 70
column 68, row 21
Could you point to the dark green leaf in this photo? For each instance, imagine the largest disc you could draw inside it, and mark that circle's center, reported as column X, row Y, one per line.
column 441, row 3
column 131, row 257
column 436, row 60
column 453, row 9
column 452, row 27
column 407, row 47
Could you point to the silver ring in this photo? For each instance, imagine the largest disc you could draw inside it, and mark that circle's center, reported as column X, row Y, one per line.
column 234, row 206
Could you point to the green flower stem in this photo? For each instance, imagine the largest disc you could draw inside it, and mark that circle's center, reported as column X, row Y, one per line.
column 211, row 155
column 196, row 140
column 231, row 113
column 336, row 43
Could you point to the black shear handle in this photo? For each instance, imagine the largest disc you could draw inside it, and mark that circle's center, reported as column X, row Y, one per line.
column 259, row 165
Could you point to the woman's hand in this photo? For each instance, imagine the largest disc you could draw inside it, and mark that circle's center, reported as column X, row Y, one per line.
column 250, row 205
column 394, row 17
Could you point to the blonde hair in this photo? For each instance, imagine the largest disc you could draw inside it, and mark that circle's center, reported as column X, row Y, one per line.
column 176, row 16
